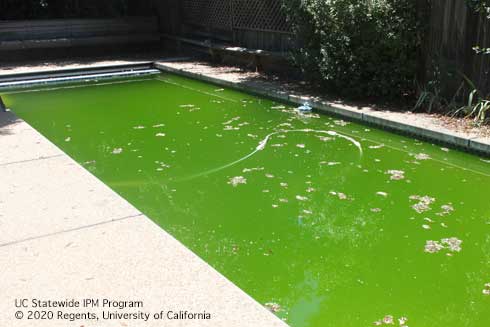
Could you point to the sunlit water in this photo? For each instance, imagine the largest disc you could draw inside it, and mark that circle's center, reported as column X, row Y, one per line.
column 325, row 222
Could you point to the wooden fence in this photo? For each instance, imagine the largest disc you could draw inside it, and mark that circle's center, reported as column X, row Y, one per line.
column 67, row 33
column 256, row 24
column 454, row 30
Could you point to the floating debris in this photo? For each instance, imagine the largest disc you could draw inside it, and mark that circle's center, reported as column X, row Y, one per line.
column 158, row 125
column 278, row 107
column 248, row 170
column 433, row 246
column 68, row 139
column 376, row 146
column 422, row 156
column 324, row 138
column 301, row 146
column 273, row 307
column 376, row 210
column 117, row 151
column 219, row 90
column 283, row 184
column 310, row 190
column 402, row 321
column 424, row 203
column 269, row 175
column 231, row 120
column 383, row 194
column 330, row 163
column 301, row 198
column 486, row 289
column 427, row 227
column 446, row 210
column 187, row 106
column 340, row 195
column 237, row 180
column 162, row 165
column 160, row 134
column 445, row 149
column 340, row 122
column 396, row 175
column 231, row 128
column 390, row 320
column 139, row 127
column 452, row 244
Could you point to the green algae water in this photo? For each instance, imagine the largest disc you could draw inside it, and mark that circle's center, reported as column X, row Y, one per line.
column 325, row 222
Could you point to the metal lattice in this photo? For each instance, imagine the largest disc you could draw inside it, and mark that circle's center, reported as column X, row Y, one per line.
column 208, row 13
column 261, row 15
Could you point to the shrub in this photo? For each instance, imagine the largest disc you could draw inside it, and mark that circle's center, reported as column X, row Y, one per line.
column 357, row 48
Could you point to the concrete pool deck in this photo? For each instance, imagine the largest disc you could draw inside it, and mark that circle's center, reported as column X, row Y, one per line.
column 66, row 235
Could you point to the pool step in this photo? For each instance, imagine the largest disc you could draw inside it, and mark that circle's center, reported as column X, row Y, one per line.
column 16, row 81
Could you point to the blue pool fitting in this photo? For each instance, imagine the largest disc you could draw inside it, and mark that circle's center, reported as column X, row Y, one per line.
column 305, row 108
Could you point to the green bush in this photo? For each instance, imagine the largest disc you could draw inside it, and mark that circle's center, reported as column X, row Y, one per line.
column 357, row 48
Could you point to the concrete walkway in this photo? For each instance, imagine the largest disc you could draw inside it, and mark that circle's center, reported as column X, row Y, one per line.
column 65, row 235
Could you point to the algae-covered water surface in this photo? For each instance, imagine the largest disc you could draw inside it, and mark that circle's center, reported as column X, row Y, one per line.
column 325, row 222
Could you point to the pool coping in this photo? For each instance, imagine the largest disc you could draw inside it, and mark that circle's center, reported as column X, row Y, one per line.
column 379, row 119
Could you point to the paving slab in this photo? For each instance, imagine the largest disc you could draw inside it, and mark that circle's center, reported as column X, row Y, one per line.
column 40, row 197
column 130, row 260
column 16, row 136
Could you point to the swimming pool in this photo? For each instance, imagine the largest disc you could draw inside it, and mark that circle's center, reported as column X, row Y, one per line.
column 326, row 222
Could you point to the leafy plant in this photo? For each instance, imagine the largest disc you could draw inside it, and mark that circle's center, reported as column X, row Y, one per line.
column 477, row 105
column 358, row 48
